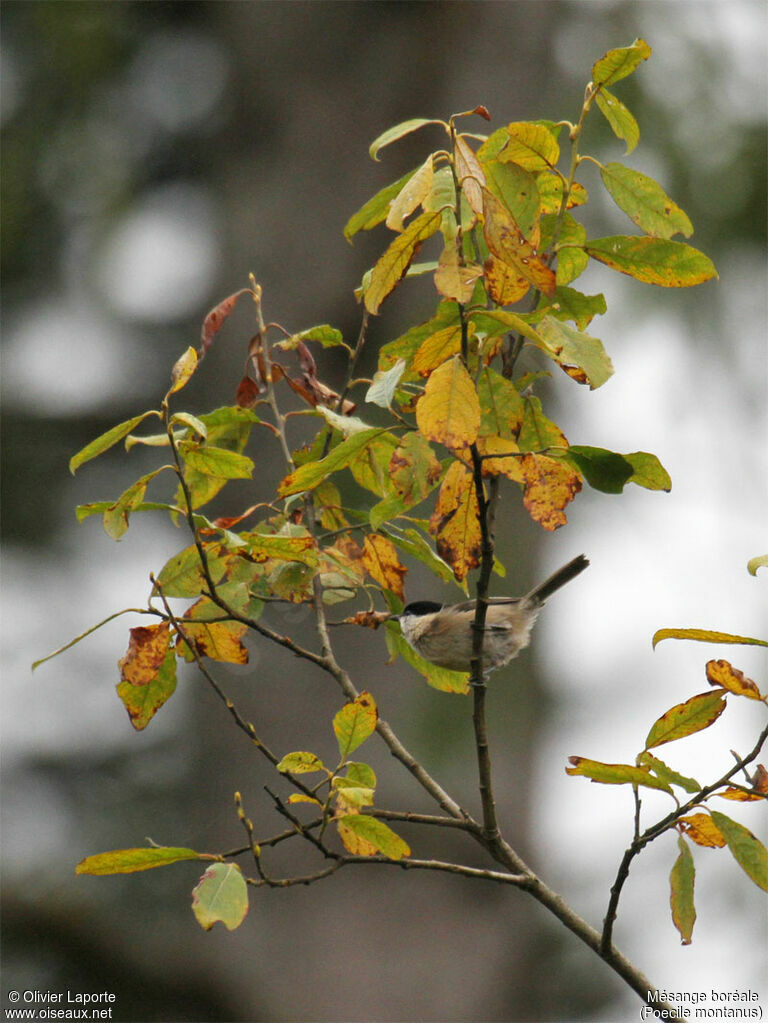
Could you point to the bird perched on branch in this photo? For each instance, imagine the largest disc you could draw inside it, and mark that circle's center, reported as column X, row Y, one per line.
column 443, row 634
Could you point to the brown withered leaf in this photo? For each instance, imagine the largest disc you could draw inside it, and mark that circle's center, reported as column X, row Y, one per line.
column 549, row 486
column 368, row 619
column 309, row 387
column 248, row 392
column 760, row 780
column 215, row 318
column 146, row 652
column 723, row 674
column 702, row 830
column 508, row 243
column 455, row 522
column 382, row 563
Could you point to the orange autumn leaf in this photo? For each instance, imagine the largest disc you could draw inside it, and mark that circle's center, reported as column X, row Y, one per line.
column 456, row 521
column 549, row 486
column 702, row 830
column 146, row 652
column 382, row 563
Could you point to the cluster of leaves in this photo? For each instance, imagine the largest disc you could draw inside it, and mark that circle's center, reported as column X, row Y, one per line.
column 459, row 419
column 705, row 827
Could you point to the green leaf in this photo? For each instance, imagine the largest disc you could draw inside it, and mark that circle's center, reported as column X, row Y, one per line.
column 618, row 63
column 603, row 470
column 309, row 475
column 569, row 304
column 107, row 440
column 439, row 678
column 182, row 575
column 376, row 209
column 648, row 472
column 128, row 861
column 759, row 562
column 143, row 701
column 686, row 718
column 581, row 356
column 661, row 770
column 681, row 880
column 615, row 774
column 220, row 463
column 376, row 833
column 750, row 854
column 117, row 515
column 324, row 334
column 382, row 390
column 622, row 123
column 397, row 132
column 645, row 202
column 412, row 542
column 300, row 763
column 360, row 774
column 705, row 636
column 221, row 896
column 502, row 408
column 653, row 260
column 516, row 188
column 355, row 722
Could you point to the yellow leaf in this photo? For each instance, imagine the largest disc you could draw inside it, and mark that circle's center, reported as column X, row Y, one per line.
column 532, row 146
column 382, row 563
column 183, row 370
column 456, row 521
column 436, row 349
column 549, row 486
column 508, row 243
column 453, row 280
column 221, row 641
column 701, row 829
column 505, row 285
column 414, row 191
column 509, row 467
column 723, row 674
column 354, row 843
column 449, row 411
column 681, row 881
column 355, row 722
column 392, row 266
column 686, row 718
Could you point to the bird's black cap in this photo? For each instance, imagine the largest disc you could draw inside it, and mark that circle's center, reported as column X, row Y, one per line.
column 422, row 607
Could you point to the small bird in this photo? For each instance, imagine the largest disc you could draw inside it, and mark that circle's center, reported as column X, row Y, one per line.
column 442, row 634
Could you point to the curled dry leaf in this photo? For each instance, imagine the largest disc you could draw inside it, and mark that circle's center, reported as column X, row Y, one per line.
column 368, row 619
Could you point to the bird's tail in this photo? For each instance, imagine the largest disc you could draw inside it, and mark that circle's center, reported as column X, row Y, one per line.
column 560, row 578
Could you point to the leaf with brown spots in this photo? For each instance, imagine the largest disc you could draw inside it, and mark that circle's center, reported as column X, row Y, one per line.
column 414, row 468
column 701, row 829
column 508, row 243
column 549, row 486
column 382, row 563
column 724, row 675
column 143, row 701
column 147, row 648
column 456, row 521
